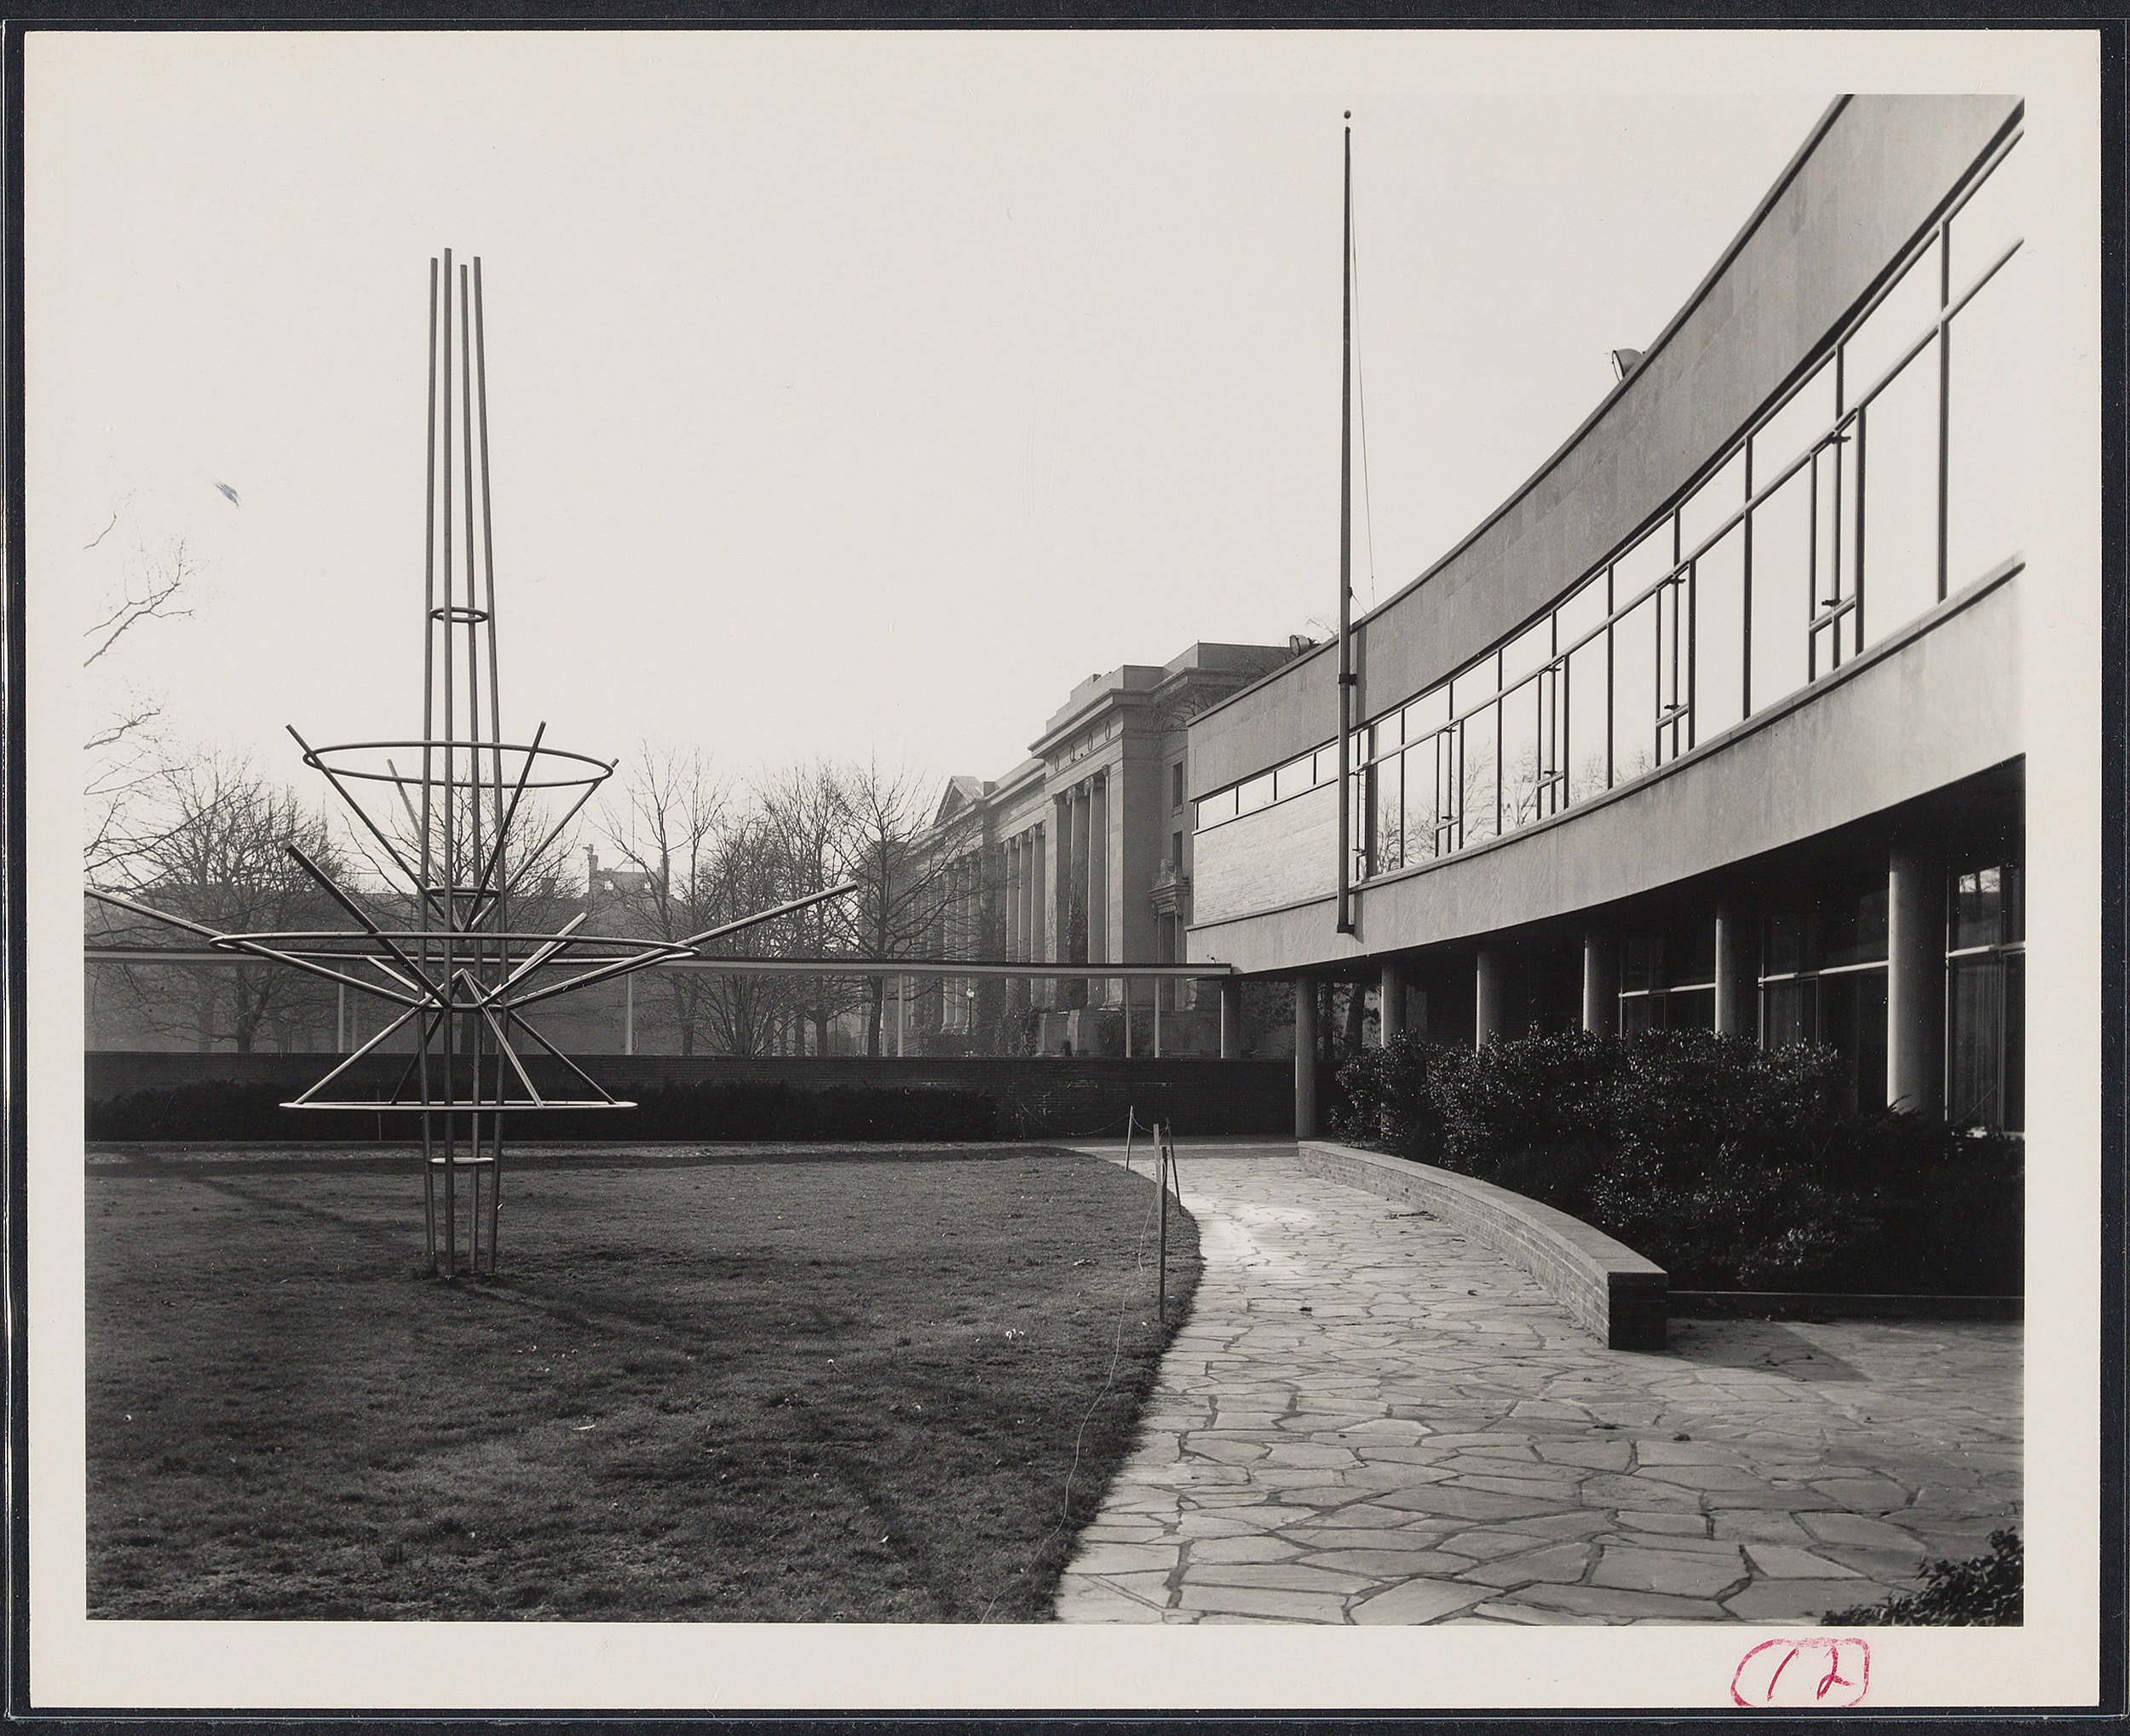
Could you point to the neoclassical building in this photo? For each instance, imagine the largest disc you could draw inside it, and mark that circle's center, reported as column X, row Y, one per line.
column 1716, row 721
column 1081, row 854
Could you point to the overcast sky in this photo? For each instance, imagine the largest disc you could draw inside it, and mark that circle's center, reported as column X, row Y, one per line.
column 848, row 395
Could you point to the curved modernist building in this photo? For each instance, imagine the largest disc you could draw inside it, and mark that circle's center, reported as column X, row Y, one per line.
column 1716, row 721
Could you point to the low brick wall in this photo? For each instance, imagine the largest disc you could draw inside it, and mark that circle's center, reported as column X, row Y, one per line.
column 1605, row 1284
column 1031, row 1096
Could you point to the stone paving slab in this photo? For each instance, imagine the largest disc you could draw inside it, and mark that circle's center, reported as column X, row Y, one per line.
column 1370, row 1418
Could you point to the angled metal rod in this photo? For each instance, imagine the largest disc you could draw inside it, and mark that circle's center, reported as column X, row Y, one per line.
column 769, row 916
column 605, row 973
column 510, row 1055
column 515, row 1017
column 488, row 566
column 354, row 806
column 417, row 1059
column 506, row 820
column 127, row 904
column 532, row 856
column 298, row 960
column 541, row 955
column 411, row 1013
column 355, row 910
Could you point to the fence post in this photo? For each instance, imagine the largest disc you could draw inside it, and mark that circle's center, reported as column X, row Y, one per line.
column 1161, row 1181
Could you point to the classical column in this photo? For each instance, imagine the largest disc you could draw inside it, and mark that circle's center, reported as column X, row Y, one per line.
column 1490, row 993
column 1305, row 1058
column 1915, row 979
column 1737, row 972
column 1098, row 868
column 1062, row 810
column 1601, row 983
column 1390, row 1013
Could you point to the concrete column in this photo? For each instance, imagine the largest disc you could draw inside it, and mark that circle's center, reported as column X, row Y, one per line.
column 1601, row 983
column 1737, row 972
column 1915, row 979
column 1490, row 985
column 1230, row 1018
column 1390, row 1013
column 1305, row 1058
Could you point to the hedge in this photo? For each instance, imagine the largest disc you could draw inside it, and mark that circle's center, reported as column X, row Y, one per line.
column 1731, row 1166
column 225, row 1110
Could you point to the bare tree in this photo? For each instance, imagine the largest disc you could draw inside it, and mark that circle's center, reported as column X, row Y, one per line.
column 217, row 852
column 666, row 822
column 126, row 752
column 904, row 859
column 808, row 809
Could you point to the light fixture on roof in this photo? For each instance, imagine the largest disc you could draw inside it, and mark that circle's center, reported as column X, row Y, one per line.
column 1623, row 361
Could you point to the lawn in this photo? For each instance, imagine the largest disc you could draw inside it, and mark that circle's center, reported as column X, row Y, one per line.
column 780, row 1386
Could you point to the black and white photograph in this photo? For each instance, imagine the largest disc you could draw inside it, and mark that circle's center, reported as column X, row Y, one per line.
column 881, row 871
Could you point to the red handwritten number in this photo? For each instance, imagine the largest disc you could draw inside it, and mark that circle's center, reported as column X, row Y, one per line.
column 1757, row 1681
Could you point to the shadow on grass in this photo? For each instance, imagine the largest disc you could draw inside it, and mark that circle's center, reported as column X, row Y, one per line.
column 759, row 1390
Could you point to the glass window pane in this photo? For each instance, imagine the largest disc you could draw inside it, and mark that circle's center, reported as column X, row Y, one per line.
column 1216, row 808
column 2014, row 1041
column 1900, row 499
column 1720, row 636
column 1689, row 951
column 1891, row 327
column 1853, row 1011
column 1527, row 652
column 1388, row 835
column 1387, row 735
column 1641, row 963
column 1449, row 788
column 1294, row 777
column 1634, row 691
column 1582, row 612
column 1852, row 925
column 1480, row 783
column 1690, row 1009
column 1782, row 950
column 1978, row 908
column 1795, row 428
column 1994, row 217
column 1781, row 598
column 1477, row 685
column 1784, row 1010
column 1715, row 501
column 1520, row 756
column 1986, row 429
column 1255, row 794
column 1589, row 709
column 1974, row 1042
column 1419, row 803
column 1427, row 713
column 1325, row 768
column 1641, row 565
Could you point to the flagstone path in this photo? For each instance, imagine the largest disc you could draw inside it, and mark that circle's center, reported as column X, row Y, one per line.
column 1369, row 1418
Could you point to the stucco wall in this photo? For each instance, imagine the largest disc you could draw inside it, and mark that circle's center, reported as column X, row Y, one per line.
column 1871, row 179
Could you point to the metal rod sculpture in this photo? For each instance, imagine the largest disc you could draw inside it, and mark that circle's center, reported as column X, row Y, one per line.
column 450, row 830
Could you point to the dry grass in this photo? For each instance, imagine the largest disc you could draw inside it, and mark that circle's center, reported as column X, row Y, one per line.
column 800, row 1386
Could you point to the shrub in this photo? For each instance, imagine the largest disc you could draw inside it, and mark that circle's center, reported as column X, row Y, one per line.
column 1987, row 1591
column 1732, row 1166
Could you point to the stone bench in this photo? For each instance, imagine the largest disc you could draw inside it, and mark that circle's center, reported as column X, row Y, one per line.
column 1605, row 1284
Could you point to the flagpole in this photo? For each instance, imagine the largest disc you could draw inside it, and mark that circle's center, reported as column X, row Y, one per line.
column 1347, row 555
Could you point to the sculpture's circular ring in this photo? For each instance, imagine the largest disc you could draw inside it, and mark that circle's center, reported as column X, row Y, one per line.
column 540, row 768
column 316, row 943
